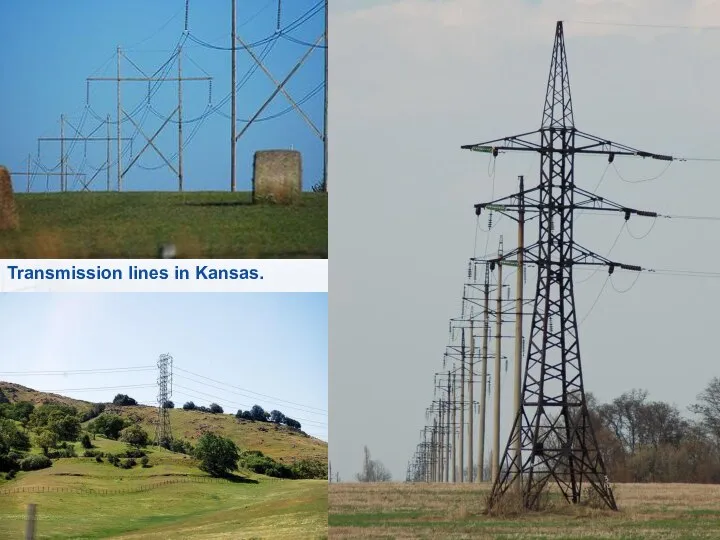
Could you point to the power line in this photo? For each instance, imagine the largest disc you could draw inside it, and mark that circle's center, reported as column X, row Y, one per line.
column 279, row 400
column 79, row 371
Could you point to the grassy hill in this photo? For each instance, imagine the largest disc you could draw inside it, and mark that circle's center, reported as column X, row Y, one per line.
column 133, row 225
column 85, row 497
column 278, row 442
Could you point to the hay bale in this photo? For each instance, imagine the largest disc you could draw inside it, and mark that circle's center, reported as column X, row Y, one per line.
column 9, row 218
column 277, row 176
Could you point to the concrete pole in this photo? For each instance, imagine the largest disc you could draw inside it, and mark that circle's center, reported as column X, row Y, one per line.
column 180, row 123
column 483, row 380
column 496, row 373
column 517, row 458
column 456, row 448
column 119, row 112
column 461, row 429
column 471, row 368
column 232, row 101
column 447, row 431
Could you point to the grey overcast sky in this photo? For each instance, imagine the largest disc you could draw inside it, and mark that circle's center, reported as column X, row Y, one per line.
column 413, row 80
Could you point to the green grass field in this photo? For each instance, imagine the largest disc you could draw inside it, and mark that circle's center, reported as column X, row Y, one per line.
column 86, row 499
column 133, row 225
column 455, row 511
column 170, row 498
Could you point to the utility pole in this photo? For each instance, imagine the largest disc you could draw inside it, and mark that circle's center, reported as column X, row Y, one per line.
column 447, row 431
column 495, row 465
column 233, row 91
column 557, row 438
column 119, row 123
column 62, row 152
column 471, row 404
column 455, row 451
column 180, row 123
column 107, row 158
column 483, row 376
column 325, row 120
column 150, row 139
column 519, row 323
column 461, row 432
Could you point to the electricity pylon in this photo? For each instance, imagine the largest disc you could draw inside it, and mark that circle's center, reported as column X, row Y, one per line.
column 556, row 438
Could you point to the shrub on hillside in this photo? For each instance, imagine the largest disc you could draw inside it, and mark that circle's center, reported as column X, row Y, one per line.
column 85, row 441
column 261, row 464
column 130, row 463
column 189, row 406
column 95, row 410
column 181, row 446
column 99, row 459
column 168, row 405
column 144, row 461
column 10, row 475
column 109, row 425
column 9, row 463
column 35, row 463
column 93, row 453
column 135, row 436
column 134, row 453
column 124, row 400
column 216, row 409
column 309, row 469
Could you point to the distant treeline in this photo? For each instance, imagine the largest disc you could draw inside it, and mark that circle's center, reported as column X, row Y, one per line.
column 652, row 441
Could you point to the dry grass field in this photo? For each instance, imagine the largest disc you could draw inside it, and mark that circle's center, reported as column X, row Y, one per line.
column 447, row 511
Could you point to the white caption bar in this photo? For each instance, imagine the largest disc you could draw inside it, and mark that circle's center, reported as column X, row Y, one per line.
column 163, row 275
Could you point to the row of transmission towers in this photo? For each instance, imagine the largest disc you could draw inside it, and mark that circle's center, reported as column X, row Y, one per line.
column 552, row 440
column 119, row 149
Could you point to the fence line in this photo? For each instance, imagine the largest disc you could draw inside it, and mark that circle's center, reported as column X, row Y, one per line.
column 92, row 491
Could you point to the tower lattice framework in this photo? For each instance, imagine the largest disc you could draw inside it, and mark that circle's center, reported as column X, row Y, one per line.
column 552, row 438
column 163, row 432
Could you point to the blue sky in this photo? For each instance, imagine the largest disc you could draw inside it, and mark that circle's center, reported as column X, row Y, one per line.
column 233, row 349
column 51, row 48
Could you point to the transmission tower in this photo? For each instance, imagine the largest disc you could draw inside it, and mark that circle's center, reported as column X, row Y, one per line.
column 163, row 433
column 552, row 438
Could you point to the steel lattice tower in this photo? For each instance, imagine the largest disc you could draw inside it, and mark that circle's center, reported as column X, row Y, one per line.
column 163, row 433
column 552, row 438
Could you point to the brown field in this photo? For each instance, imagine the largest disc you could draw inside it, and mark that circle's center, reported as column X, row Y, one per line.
column 449, row 511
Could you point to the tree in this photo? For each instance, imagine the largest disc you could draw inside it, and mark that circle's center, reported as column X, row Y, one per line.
column 291, row 423
column 218, row 456
column 85, row 441
column 708, row 408
column 215, row 408
column 107, row 424
column 277, row 417
column 373, row 470
column 123, row 400
column 258, row 413
column 11, row 438
column 135, row 436
column 168, row 405
column 189, row 406
column 46, row 439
